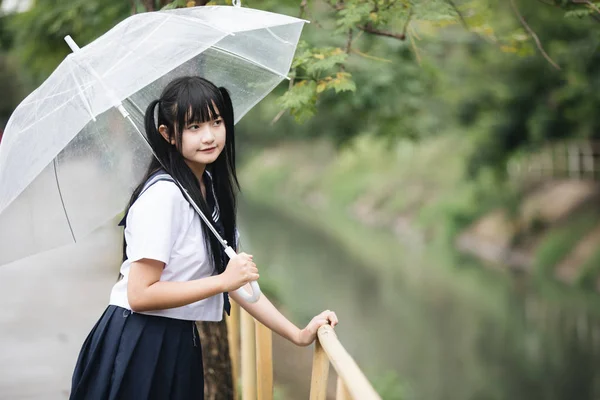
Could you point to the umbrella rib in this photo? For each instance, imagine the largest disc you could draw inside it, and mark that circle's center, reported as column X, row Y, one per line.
column 277, row 37
column 249, row 61
column 205, row 23
column 86, row 102
column 85, row 86
column 62, row 202
column 195, row 20
column 132, row 50
column 213, row 47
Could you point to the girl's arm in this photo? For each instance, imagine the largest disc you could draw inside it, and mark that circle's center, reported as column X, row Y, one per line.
column 146, row 292
column 266, row 313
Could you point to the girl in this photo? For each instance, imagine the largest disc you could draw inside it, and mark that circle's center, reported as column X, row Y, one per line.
column 174, row 272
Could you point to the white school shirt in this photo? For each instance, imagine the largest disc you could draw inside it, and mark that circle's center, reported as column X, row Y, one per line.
column 161, row 225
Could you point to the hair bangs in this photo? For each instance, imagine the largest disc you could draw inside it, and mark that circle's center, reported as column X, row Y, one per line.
column 198, row 103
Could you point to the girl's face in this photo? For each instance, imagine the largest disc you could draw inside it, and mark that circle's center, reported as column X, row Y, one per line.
column 202, row 142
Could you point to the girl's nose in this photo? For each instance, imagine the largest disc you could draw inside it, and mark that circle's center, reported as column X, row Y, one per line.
column 208, row 137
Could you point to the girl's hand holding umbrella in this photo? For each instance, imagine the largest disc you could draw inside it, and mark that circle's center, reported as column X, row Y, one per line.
column 240, row 270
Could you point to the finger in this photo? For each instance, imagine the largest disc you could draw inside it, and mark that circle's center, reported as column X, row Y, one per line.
column 335, row 318
column 332, row 319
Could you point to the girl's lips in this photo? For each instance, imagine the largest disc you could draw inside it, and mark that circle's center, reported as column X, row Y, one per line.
column 208, row 150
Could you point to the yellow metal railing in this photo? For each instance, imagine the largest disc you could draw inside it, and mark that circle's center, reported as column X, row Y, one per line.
column 251, row 345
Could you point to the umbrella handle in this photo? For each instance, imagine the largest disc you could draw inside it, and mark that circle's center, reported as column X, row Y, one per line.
column 250, row 298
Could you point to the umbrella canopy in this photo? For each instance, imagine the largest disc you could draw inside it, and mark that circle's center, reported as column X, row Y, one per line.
column 69, row 161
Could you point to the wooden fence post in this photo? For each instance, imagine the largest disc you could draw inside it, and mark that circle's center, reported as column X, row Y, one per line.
column 588, row 160
column 233, row 335
column 248, row 357
column 344, row 364
column 574, row 162
column 320, row 373
column 264, row 361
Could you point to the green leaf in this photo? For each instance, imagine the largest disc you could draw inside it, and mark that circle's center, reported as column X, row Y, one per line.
column 343, row 83
column 301, row 100
column 325, row 60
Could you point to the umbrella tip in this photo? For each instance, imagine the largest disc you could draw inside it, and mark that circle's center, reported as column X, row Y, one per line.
column 71, row 43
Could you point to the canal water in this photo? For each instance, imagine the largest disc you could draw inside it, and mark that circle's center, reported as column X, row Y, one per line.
column 433, row 325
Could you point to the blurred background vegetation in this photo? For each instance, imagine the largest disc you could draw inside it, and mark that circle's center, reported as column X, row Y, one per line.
column 436, row 158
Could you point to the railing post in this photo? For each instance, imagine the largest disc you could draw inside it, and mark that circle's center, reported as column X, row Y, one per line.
column 588, row 160
column 248, row 357
column 320, row 373
column 341, row 391
column 233, row 335
column 574, row 161
column 354, row 379
column 264, row 361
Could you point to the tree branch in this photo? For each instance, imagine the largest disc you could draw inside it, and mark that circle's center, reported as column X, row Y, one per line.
column 369, row 29
column 410, row 14
column 303, row 4
column 589, row 3
column 348, row 48
column 415, row 48
column 464, row 23
column 280, row 113
column 533, row 35
column 148, row 4
column 349, row 42
column 304, row 9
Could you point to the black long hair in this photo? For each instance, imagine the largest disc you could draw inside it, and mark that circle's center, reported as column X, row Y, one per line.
column 193, row 99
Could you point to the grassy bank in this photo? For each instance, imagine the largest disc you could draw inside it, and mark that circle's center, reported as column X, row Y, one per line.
column 416, row 191
column 410, row 193
column 386, row 208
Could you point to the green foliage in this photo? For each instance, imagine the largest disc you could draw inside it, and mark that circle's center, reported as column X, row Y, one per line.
column 353, row 14
column 301, row 100
column 38, row 34
column 10, row 87
column 175, row 4
column 390, row 387
column 393, row 68
column 590, row 272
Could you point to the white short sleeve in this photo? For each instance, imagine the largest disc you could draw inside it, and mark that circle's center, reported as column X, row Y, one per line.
column 153, row 222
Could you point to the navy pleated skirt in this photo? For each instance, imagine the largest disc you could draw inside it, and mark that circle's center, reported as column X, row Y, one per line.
column 136, row 356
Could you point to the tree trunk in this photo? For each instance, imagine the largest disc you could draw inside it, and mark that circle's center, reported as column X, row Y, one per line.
column 148, row 5
column 218, row 382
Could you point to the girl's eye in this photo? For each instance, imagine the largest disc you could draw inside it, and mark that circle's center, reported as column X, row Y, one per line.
column 194, row 126
column 218, row 122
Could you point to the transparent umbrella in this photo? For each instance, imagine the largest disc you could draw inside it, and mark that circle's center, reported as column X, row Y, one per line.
column 72, row 151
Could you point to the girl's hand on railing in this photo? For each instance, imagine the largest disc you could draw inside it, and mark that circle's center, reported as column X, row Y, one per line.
column 308, row 335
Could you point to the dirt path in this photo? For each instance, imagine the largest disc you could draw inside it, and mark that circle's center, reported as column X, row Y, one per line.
column 49, row 304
